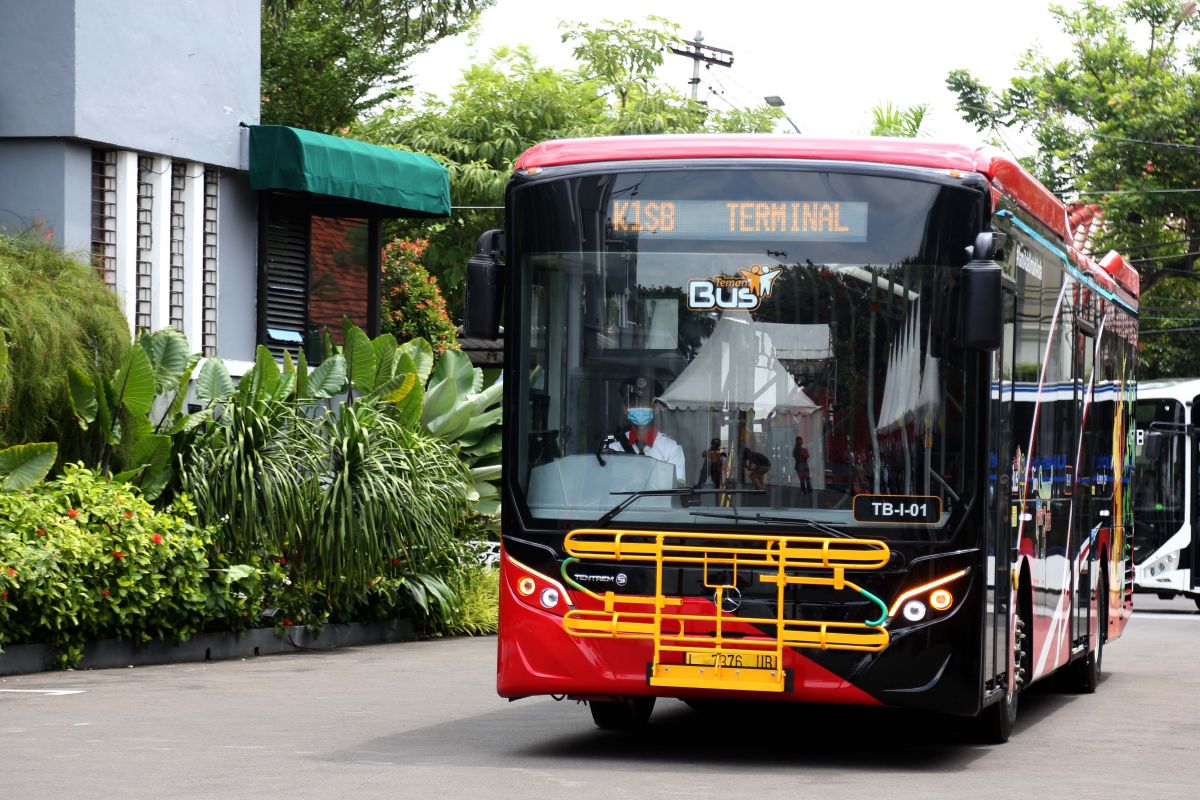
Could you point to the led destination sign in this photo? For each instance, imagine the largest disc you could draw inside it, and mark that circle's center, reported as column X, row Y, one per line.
column 797, row 220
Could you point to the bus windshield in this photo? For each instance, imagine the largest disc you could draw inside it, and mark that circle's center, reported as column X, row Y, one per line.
column 785, row 333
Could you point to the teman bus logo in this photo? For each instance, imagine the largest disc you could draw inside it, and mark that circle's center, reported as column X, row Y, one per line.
column 746, row 290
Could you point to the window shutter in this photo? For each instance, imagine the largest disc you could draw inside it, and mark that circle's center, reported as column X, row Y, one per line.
column 287, row 281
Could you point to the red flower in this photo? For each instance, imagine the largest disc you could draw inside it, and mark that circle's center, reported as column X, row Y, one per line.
column 396, row 562
column 41, row 531
column 11, row 571
column 4, row 595
column 282, row 561
column 287, row 623
column 128, row 515
column 156, row 538
column 117, row 554
column 104, row 592
column 72, row 513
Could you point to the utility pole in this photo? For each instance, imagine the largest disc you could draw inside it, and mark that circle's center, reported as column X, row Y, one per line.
column 706, row 53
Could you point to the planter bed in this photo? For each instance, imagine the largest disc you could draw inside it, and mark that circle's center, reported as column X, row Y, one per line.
column 107, row 653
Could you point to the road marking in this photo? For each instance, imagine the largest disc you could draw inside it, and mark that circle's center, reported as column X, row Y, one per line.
column 46, row 692
column 1190, row 616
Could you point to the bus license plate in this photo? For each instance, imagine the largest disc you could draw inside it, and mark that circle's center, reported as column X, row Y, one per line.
column 707, row 658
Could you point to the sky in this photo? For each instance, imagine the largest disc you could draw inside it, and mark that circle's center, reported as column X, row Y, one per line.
column 829, row 62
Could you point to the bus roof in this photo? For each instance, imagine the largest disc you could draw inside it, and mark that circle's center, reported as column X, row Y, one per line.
column 1002, row 171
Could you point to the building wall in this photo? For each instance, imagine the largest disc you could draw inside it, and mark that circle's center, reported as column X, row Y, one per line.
column 37, row 68
column 237, row 288
column 46, row 182
column 171, row 78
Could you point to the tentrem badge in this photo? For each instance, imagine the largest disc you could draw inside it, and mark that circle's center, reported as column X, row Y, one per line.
column 897, row 508
column 745, row 290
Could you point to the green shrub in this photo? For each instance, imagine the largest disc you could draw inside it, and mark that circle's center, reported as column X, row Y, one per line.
column 55, row 312
column 413, row 306
column 84, row 558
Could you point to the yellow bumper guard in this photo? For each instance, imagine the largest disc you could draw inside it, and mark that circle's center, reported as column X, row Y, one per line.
column 708, row 656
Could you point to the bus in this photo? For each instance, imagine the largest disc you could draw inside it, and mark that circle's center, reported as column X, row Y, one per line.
column 1165, row 501
column 765, row 429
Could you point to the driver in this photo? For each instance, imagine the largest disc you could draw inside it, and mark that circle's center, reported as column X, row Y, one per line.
column 642, row 436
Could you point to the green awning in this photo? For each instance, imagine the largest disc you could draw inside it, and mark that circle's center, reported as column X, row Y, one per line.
column 403, row 183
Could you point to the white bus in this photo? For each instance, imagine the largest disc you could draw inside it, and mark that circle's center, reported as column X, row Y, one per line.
column 1165, row 498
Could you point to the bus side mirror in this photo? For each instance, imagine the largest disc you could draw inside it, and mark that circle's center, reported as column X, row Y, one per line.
column 485, row 282
column 981, row 312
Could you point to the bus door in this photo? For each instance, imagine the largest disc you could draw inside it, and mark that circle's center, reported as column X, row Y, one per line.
column 1191, row 463
column 1085, row 360
column 1001, row 546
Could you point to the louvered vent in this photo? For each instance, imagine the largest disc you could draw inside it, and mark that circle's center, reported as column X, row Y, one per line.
column 287, row 282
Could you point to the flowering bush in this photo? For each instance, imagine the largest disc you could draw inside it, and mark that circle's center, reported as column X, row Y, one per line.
column 413, row 306
column 84, row 558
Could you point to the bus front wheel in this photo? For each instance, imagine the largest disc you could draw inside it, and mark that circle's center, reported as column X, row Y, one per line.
column 626, row 714
column 1083, row 676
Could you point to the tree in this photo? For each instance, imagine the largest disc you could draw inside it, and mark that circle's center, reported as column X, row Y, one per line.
column 505, row 105
column 325, row 62
column 893, row 121
column 1117, row 122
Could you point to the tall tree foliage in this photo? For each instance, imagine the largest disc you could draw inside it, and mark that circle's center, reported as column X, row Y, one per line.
column 1116, row 122
column 324, row 62
column 509, row 102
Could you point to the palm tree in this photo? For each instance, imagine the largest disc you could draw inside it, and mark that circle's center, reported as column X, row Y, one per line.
column 903, row 122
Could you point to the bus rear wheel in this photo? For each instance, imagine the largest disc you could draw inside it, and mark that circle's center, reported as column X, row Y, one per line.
column 626, row 714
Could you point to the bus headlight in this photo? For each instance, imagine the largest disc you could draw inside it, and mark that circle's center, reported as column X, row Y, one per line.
column 917, row 603
column 914, row 611
column 549, row 598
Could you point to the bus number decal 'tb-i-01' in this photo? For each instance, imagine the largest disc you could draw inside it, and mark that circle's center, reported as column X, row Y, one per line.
column 897, row 508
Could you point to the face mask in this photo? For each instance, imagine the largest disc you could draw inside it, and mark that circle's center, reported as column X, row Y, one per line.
column 640, row 416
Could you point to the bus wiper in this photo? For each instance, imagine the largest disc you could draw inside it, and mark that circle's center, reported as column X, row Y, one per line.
column 682, row 492
column 736, row 517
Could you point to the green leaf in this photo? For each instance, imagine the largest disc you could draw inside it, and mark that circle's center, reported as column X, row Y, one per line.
column 450, row 425
column 439, row 400
column 176, row 408
column 489, row 396
column 238, row 572
column 489, row 473
column 152, row 454
column 360, row 359
column 302, row 378
column 384, row 347
column 25, row 465
column 167, row 350
column 264, row 377
column 329, row 378
column 421, row 354
column 134, row 383
column 84, row 402
column 214, row 383
column 455, row 365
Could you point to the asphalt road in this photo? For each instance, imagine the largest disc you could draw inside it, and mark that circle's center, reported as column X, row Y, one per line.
column 422, row 720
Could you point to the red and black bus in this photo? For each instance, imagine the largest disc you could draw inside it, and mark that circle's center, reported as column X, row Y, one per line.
column 791, row 419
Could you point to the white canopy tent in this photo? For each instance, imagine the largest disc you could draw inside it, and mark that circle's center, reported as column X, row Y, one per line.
column 740, row 369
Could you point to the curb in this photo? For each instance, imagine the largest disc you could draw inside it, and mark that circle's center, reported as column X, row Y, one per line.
column 108, row 653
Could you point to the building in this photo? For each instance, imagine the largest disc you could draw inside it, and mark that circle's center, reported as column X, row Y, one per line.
column 129, row 130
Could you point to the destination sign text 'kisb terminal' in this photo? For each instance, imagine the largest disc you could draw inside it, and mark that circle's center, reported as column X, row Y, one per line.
column 797, row 220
